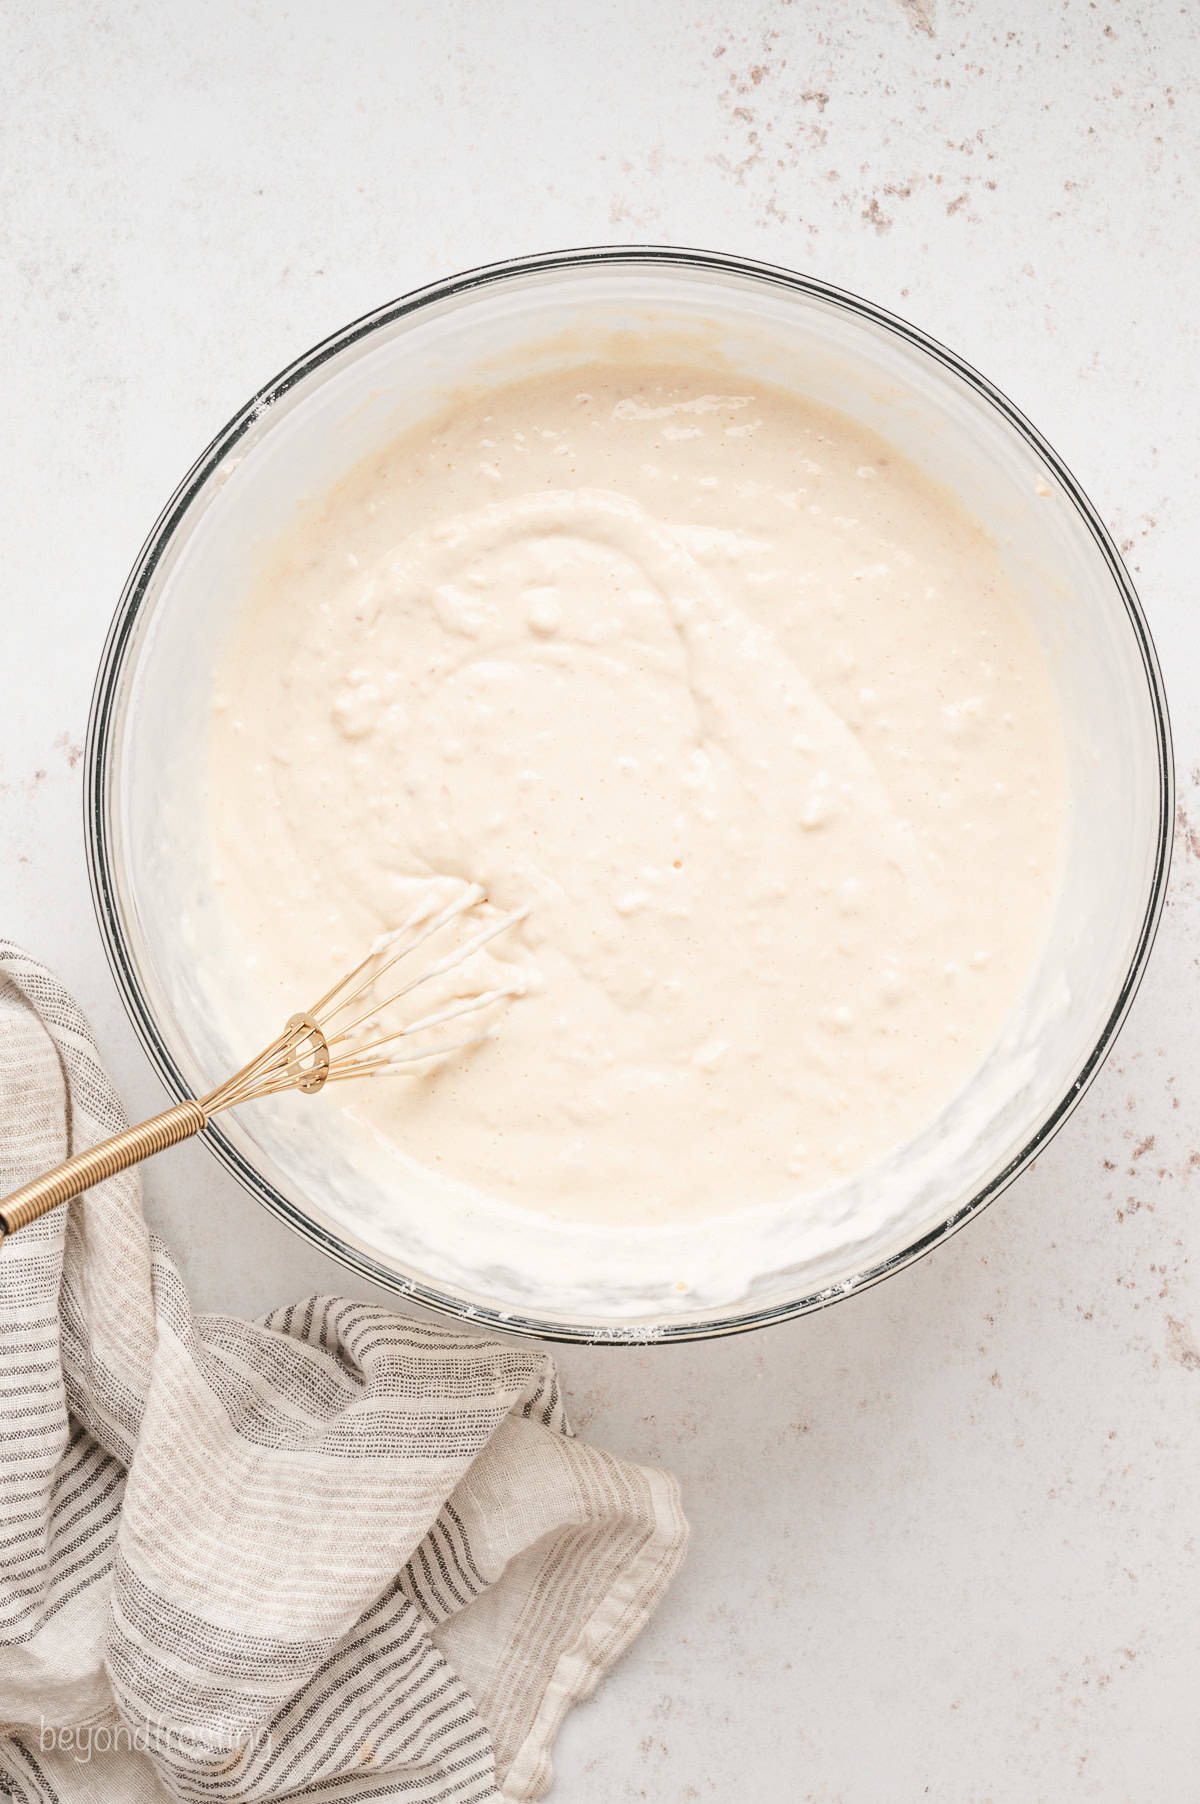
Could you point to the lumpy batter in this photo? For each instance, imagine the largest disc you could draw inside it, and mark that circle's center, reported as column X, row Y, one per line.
column 736, row 698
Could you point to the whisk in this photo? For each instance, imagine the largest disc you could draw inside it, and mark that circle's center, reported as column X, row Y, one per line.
column 329, row 1043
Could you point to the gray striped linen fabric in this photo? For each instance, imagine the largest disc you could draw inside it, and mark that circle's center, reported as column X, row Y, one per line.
column 338, row 1553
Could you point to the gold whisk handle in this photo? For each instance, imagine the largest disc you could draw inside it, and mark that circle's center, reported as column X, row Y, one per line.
column 99, row 1162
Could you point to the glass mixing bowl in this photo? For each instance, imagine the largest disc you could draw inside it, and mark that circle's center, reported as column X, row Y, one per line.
column 145, row 807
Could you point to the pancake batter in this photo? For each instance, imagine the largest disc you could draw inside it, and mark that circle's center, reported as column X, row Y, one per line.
column 736, row 698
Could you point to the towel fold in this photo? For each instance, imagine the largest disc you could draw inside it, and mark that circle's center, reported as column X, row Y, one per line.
column 339, row 1552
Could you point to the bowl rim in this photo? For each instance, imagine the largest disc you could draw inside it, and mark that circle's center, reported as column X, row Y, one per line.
column 100, row 743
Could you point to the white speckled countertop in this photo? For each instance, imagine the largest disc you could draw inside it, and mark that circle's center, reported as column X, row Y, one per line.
column 945, row 1533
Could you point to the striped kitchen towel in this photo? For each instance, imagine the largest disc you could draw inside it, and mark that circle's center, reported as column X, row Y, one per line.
column 337, row 1553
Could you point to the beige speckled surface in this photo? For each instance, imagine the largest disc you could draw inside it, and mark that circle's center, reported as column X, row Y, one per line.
column 946, row 1533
